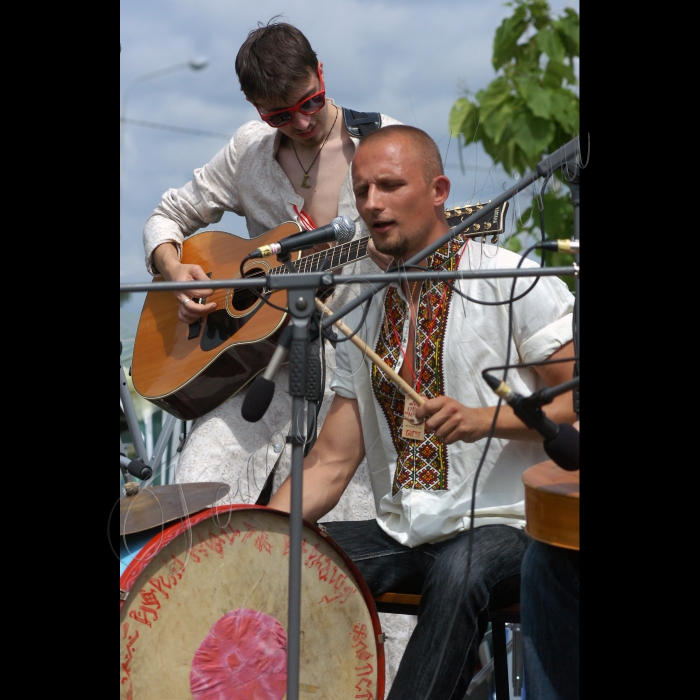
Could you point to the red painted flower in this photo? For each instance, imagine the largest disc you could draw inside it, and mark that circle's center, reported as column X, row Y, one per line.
column 244, row 656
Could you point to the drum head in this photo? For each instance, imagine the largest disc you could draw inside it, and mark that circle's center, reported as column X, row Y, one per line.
column 206, row 614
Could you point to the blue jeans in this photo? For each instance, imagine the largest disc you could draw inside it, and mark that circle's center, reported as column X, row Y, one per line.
column 549, row 604
column 441, row 655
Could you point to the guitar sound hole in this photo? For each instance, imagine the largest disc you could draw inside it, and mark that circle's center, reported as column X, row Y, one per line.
column 243, row 299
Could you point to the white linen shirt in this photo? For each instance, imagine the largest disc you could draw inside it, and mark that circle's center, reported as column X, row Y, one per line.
column 243, row 177
column 476, row 338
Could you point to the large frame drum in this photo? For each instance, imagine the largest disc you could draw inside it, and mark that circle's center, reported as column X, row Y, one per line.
column 205, row 613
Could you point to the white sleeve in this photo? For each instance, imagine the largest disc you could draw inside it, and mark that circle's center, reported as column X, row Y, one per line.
column 543, row 318
column 202, row 201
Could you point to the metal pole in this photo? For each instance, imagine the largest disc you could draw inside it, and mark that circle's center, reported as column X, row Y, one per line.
column 301, row 304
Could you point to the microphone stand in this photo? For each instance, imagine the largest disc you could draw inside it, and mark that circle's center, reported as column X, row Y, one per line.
column 301, row 296
column 572, row 174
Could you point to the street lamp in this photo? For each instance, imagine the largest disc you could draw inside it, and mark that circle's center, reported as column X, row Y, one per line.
column 195, row 64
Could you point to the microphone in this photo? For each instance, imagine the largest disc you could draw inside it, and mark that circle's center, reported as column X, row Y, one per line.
column 342, row 229
column 561, row 245
column 561, row 440
column 259, row 395
column 136, row 467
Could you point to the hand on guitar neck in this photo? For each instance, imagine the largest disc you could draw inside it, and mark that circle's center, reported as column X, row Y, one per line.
column 167, row 262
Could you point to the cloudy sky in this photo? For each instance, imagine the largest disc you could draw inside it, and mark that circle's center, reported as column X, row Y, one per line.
column 409, row 59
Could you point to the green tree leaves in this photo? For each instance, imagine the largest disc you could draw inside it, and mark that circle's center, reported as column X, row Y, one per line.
column 506, row 42
column 530, row 108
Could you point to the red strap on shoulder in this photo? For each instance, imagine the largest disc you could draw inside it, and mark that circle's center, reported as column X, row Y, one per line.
column 305, row 219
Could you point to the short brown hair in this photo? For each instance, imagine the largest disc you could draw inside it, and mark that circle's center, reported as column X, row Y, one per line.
column 424, row 147
column 273, row 60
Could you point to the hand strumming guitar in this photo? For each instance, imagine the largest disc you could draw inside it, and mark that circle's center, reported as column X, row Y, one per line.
column 166, row 260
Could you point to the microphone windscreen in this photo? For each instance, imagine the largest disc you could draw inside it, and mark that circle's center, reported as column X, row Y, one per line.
column 257, row 399
column 346, row 229
column 563, row 448
column 138, row 469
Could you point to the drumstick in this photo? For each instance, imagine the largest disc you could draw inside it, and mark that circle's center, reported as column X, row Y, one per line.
column 404, row 388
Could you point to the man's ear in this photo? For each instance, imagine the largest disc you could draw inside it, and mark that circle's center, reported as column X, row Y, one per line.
column 441, row 187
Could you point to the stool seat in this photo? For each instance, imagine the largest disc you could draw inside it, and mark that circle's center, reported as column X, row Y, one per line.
column 407, row 604
column 397, row 603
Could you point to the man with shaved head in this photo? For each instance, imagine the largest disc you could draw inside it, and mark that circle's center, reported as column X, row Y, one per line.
column 447, row 484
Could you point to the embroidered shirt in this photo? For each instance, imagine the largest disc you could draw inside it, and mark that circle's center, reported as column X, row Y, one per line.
column 423, row 492
column 420, row 464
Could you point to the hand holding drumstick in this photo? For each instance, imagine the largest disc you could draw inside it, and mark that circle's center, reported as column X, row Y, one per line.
column 447, row 418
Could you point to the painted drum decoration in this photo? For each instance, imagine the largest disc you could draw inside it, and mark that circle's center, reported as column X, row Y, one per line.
column 204, row 612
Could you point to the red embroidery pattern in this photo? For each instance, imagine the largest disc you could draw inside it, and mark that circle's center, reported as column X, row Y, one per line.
column 420, row 466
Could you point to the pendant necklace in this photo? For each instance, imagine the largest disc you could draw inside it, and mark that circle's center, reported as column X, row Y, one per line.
column 308, row 170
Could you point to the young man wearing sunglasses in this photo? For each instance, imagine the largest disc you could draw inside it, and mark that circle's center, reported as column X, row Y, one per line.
column 293, row 164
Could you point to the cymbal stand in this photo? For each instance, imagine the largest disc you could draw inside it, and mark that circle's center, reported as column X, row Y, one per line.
column 140, row 467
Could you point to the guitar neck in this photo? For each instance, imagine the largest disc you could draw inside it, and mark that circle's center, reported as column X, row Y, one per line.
column 339, row 255
column 344, row 253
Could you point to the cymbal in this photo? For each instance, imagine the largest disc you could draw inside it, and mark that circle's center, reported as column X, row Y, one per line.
column 156, row 505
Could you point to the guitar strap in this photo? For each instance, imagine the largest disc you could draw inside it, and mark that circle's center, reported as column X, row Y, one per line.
column 359, row 124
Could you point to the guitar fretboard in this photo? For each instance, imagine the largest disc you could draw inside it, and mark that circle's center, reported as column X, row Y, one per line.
column 338, row 256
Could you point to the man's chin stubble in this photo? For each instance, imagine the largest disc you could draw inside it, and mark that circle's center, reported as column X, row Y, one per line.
column 398, row 249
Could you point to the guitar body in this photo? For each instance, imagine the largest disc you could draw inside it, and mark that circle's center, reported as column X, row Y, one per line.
column 552, row 505
column 189, row 371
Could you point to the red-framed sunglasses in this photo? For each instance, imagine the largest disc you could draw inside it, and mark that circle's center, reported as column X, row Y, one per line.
column 308, row 106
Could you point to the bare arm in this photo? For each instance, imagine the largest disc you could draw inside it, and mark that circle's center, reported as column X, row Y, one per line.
column 452, row 421
column 330, row 465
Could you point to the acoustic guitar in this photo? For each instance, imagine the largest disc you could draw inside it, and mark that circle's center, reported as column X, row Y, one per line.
column 552, row 504
column 189, row 371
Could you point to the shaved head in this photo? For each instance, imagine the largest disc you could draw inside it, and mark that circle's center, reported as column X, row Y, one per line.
column 400, row 189
column 420, row 145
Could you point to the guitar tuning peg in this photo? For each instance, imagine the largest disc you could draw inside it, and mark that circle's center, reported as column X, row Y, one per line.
column 494, row 238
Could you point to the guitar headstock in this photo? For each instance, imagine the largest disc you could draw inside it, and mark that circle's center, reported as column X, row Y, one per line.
column 491, row 224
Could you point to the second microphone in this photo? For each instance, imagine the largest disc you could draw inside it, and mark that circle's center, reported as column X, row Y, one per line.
column 341, row 229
